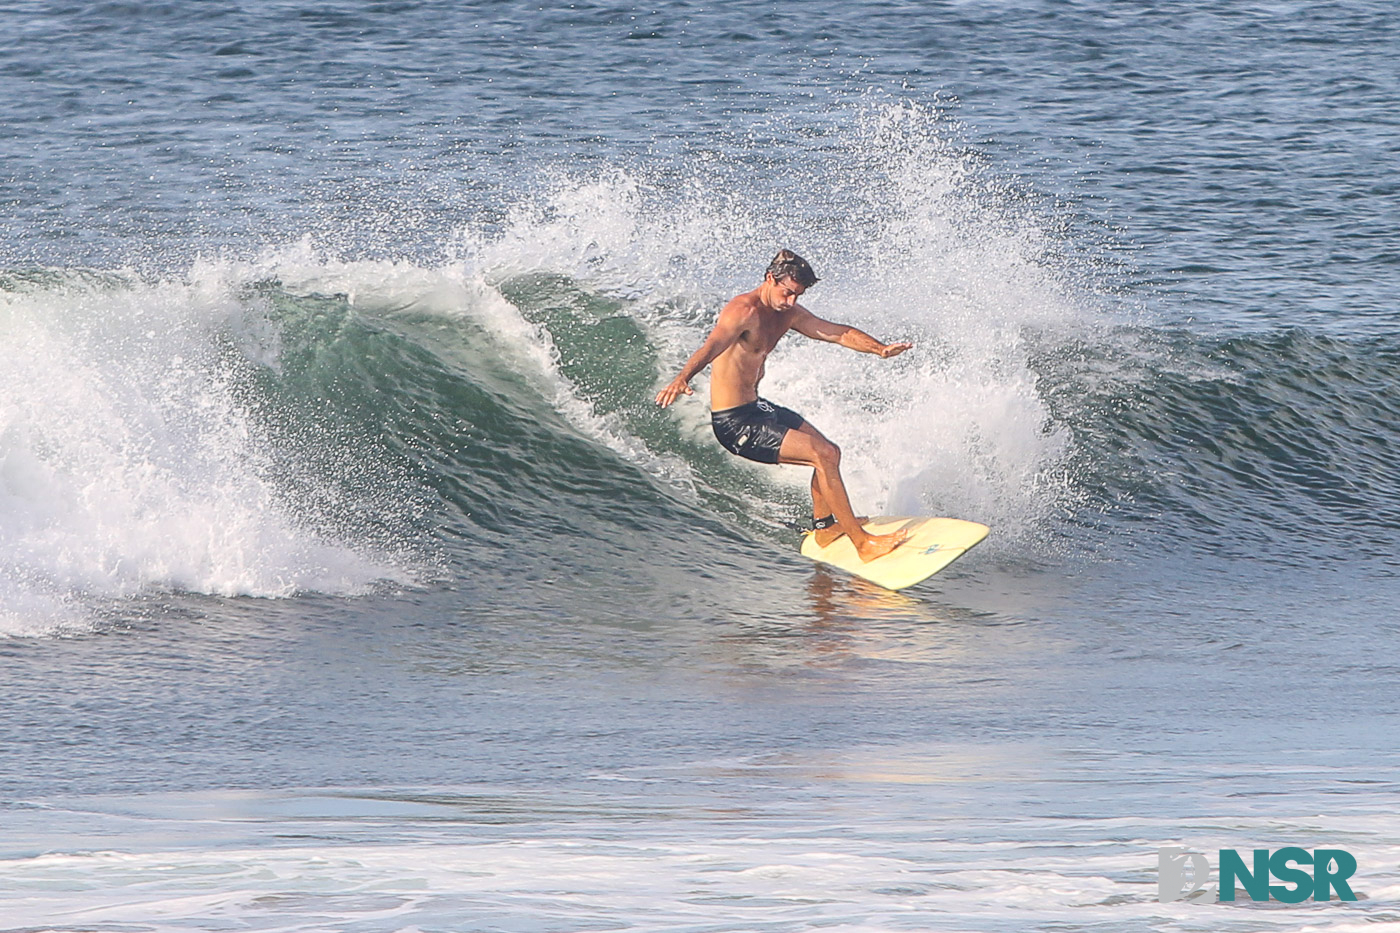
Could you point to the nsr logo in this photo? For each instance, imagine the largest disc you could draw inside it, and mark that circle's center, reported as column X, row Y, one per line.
column 1331, row 869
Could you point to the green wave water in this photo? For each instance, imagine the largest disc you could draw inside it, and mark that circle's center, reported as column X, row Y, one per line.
column 468, row 429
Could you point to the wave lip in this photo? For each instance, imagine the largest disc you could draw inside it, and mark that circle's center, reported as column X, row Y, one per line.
column 132, row 456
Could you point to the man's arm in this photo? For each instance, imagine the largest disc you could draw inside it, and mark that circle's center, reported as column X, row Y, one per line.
column 809, row 325
column 730, row 326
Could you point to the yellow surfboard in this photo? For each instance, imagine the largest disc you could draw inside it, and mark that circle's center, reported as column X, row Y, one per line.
column 933, row 544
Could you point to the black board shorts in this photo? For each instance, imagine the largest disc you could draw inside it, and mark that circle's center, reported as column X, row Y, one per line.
column 756, row 430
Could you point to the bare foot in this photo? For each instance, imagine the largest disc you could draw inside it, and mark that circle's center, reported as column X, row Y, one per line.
column 879, row 545
column 825, row 536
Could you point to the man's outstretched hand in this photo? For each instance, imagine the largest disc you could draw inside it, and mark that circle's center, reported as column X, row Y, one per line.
column 893, row 349
column 675, row 390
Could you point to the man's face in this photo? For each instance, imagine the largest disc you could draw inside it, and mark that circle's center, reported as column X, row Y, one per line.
column 786, row 293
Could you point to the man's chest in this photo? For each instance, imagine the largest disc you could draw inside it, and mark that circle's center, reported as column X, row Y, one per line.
column 765, row 333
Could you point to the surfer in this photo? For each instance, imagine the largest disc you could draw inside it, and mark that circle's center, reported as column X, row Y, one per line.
column 752, row 427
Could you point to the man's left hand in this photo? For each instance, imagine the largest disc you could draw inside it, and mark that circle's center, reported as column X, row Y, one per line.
column 893, row 349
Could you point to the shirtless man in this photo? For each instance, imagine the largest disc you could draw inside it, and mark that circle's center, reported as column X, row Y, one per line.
column 748, row 329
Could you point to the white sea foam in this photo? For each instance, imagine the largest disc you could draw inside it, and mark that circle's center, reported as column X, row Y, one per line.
column 687, row 878
column 127, row 459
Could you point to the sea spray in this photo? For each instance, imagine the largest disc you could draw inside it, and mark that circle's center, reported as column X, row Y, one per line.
column 913, row 240
column 129, row 459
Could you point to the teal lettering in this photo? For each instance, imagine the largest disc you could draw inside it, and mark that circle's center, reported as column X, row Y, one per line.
column 1256, row 883
column 1302, row 880
column 1324, row 879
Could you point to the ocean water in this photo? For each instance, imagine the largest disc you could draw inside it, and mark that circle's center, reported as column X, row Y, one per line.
column 350, row 579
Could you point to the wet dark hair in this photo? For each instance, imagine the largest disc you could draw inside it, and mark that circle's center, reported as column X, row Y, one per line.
column 789, row 265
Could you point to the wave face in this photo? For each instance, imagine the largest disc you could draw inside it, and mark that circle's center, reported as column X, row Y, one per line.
column 1262, row 445
column 305, row 422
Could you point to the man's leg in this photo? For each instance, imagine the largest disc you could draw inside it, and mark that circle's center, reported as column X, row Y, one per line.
column 807, row 447
column 821, row 510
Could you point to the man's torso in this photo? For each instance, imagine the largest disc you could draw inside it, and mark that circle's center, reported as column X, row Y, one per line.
column 735, row 373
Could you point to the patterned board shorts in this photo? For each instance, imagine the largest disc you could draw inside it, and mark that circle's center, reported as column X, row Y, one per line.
column 756, row 430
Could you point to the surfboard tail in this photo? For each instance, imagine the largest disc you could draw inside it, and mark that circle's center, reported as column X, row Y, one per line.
column 933, row 544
